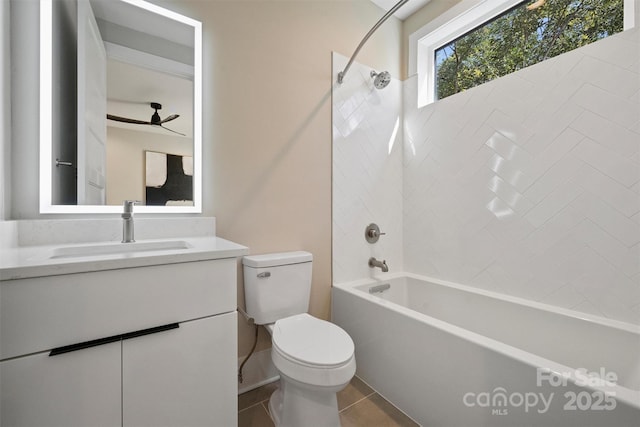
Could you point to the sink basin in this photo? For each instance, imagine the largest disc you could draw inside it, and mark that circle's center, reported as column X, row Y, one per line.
column 113, row 248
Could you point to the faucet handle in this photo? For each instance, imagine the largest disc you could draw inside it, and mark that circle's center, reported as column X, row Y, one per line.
column 372, row 233
column 128, row 205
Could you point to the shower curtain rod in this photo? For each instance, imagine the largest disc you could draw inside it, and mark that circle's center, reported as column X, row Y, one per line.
column 398, row 5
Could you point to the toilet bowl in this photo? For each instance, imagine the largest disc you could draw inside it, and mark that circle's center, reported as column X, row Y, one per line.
column 315, row 358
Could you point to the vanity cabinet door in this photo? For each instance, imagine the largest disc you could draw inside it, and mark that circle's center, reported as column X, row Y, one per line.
column 81, row 388
column 182, row 377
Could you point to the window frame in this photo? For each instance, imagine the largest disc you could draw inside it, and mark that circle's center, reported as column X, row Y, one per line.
column 462, row 18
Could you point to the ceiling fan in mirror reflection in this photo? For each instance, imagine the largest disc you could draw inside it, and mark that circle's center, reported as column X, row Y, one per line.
column 155, row 120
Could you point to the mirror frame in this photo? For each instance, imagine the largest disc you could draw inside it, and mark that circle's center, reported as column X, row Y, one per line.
column 46, row 118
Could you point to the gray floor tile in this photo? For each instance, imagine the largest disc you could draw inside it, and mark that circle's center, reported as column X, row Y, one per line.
column 255, row 416
column 360, row 406
column 257, row 395
column 354, row 392
column 374, row 411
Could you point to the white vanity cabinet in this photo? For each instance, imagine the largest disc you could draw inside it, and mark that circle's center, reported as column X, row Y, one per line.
column 182, row 377
column 145, row 346
column 78, row 389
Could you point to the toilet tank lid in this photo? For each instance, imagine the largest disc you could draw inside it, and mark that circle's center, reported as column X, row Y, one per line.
column 276, row 259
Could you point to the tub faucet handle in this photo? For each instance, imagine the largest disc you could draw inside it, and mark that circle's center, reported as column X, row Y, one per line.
column 372, row 233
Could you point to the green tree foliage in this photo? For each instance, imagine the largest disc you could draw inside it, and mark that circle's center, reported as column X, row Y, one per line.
column 520, row 37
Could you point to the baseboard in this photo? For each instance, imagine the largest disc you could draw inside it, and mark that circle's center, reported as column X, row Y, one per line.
column 258, row 371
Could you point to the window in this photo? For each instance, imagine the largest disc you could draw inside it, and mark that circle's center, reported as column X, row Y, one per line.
column 490, row 39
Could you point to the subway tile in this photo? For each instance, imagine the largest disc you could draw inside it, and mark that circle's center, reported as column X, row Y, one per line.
column 620, row 49
column 509, row 127
column 509, row 150
column 631, row 35
column 588, row 307
column 478, row 163
column 606, row 76
column 556, row 100
column 508, row 226
column 613, row 299
column 553, row 230
column 516, row 201
column 608, row 134
column 602, row 242
column 630, row 262
column 610, row 220
column 636, row 309
column 555, row 202
column 606, row 104
column 556, row 175
column 556, row 254
column 548, row 76
column 564, row 296
column 605, row 188
column 557, row 150
column 506, row 277
column 550, row 124
column 510, row 173
column 518, row 93
column 610, row 163
column 485, row 280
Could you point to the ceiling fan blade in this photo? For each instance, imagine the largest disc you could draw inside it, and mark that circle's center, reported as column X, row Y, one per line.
column 127, row 120
column 170, row 130
column 171, row 117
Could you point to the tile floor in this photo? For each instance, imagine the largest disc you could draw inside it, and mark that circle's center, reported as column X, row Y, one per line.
column 358, row 403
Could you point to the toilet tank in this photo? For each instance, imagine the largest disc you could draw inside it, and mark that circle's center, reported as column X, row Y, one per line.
column 277, row 285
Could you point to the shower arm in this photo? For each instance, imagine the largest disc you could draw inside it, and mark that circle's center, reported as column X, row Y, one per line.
column 397, row 6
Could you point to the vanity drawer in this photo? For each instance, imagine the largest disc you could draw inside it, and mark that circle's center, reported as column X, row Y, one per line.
column 42, row 313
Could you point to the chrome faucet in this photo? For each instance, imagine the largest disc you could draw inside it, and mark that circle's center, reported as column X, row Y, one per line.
column 380, row 264
column 127, row 221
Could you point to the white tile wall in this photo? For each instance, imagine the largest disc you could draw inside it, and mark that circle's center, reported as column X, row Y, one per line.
column 530, row 184
column 367, row 172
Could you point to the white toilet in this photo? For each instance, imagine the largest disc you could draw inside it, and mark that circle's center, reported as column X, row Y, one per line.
column 315, row 358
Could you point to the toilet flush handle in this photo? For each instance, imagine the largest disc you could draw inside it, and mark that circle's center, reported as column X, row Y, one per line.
column 264, row 275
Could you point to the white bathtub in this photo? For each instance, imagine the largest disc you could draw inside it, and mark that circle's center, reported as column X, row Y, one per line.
column 451, row 355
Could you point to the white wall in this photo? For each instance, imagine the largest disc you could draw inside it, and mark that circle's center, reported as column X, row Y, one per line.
column 367, row 172
column 25, row 104
column 126, row 162
column 5, row 112
column 530, row 184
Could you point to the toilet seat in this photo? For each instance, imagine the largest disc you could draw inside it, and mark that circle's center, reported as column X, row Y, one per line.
column 313, row 351
column 312, row 342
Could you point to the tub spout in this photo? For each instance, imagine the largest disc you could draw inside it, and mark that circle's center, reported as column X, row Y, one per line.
column 380, row 264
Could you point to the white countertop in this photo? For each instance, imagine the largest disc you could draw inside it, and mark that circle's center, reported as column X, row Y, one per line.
column 37, row 261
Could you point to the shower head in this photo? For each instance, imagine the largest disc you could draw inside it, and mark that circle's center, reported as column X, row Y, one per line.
column 381, row 80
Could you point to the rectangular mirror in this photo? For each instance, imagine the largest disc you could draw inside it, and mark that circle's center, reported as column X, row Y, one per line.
column 119, row 79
